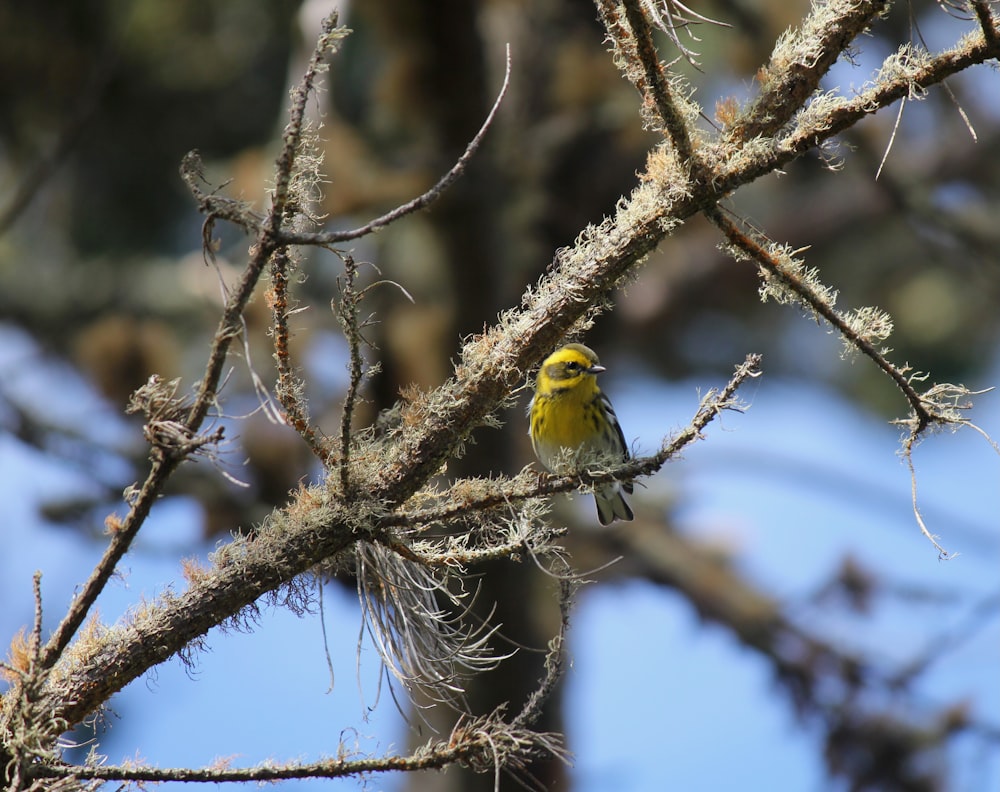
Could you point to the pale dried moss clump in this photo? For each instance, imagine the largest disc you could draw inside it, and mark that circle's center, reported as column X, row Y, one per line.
column 870, row 324
column 419, row 624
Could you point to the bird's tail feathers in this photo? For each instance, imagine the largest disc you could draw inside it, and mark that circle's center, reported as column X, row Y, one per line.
column 611, row 504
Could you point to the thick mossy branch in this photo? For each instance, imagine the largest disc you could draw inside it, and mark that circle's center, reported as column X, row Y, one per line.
column 313, row 528
column 830, row 115
column 799, row 61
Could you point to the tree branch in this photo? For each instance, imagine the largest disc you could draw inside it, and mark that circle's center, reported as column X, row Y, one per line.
column 421, row 201
column 798, row 63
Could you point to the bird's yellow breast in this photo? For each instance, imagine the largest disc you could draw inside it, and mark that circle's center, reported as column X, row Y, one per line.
column 565, row 419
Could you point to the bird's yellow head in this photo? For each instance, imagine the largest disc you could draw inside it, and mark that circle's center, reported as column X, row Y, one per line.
column 568, row 368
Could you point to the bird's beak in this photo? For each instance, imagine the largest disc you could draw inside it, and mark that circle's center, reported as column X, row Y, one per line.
column 596, row 369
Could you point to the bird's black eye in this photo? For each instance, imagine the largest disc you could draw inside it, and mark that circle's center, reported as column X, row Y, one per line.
column 571, row 366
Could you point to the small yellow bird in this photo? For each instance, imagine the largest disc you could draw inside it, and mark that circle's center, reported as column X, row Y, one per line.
column 572, row 424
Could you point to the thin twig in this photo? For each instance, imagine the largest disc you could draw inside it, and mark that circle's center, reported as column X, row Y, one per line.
column 326, row 640
column 214, row 206
column 915, row 27
column 431, row 757
column 656, row 88
column 892, row 137
column 555, row 659
column 289, row 388
column 670, row 16
column 332, row 237
column 937, row 406
column 36, row 627
column 348, row 314
column 481, row 744
column 908, row 456
column 821, row 307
